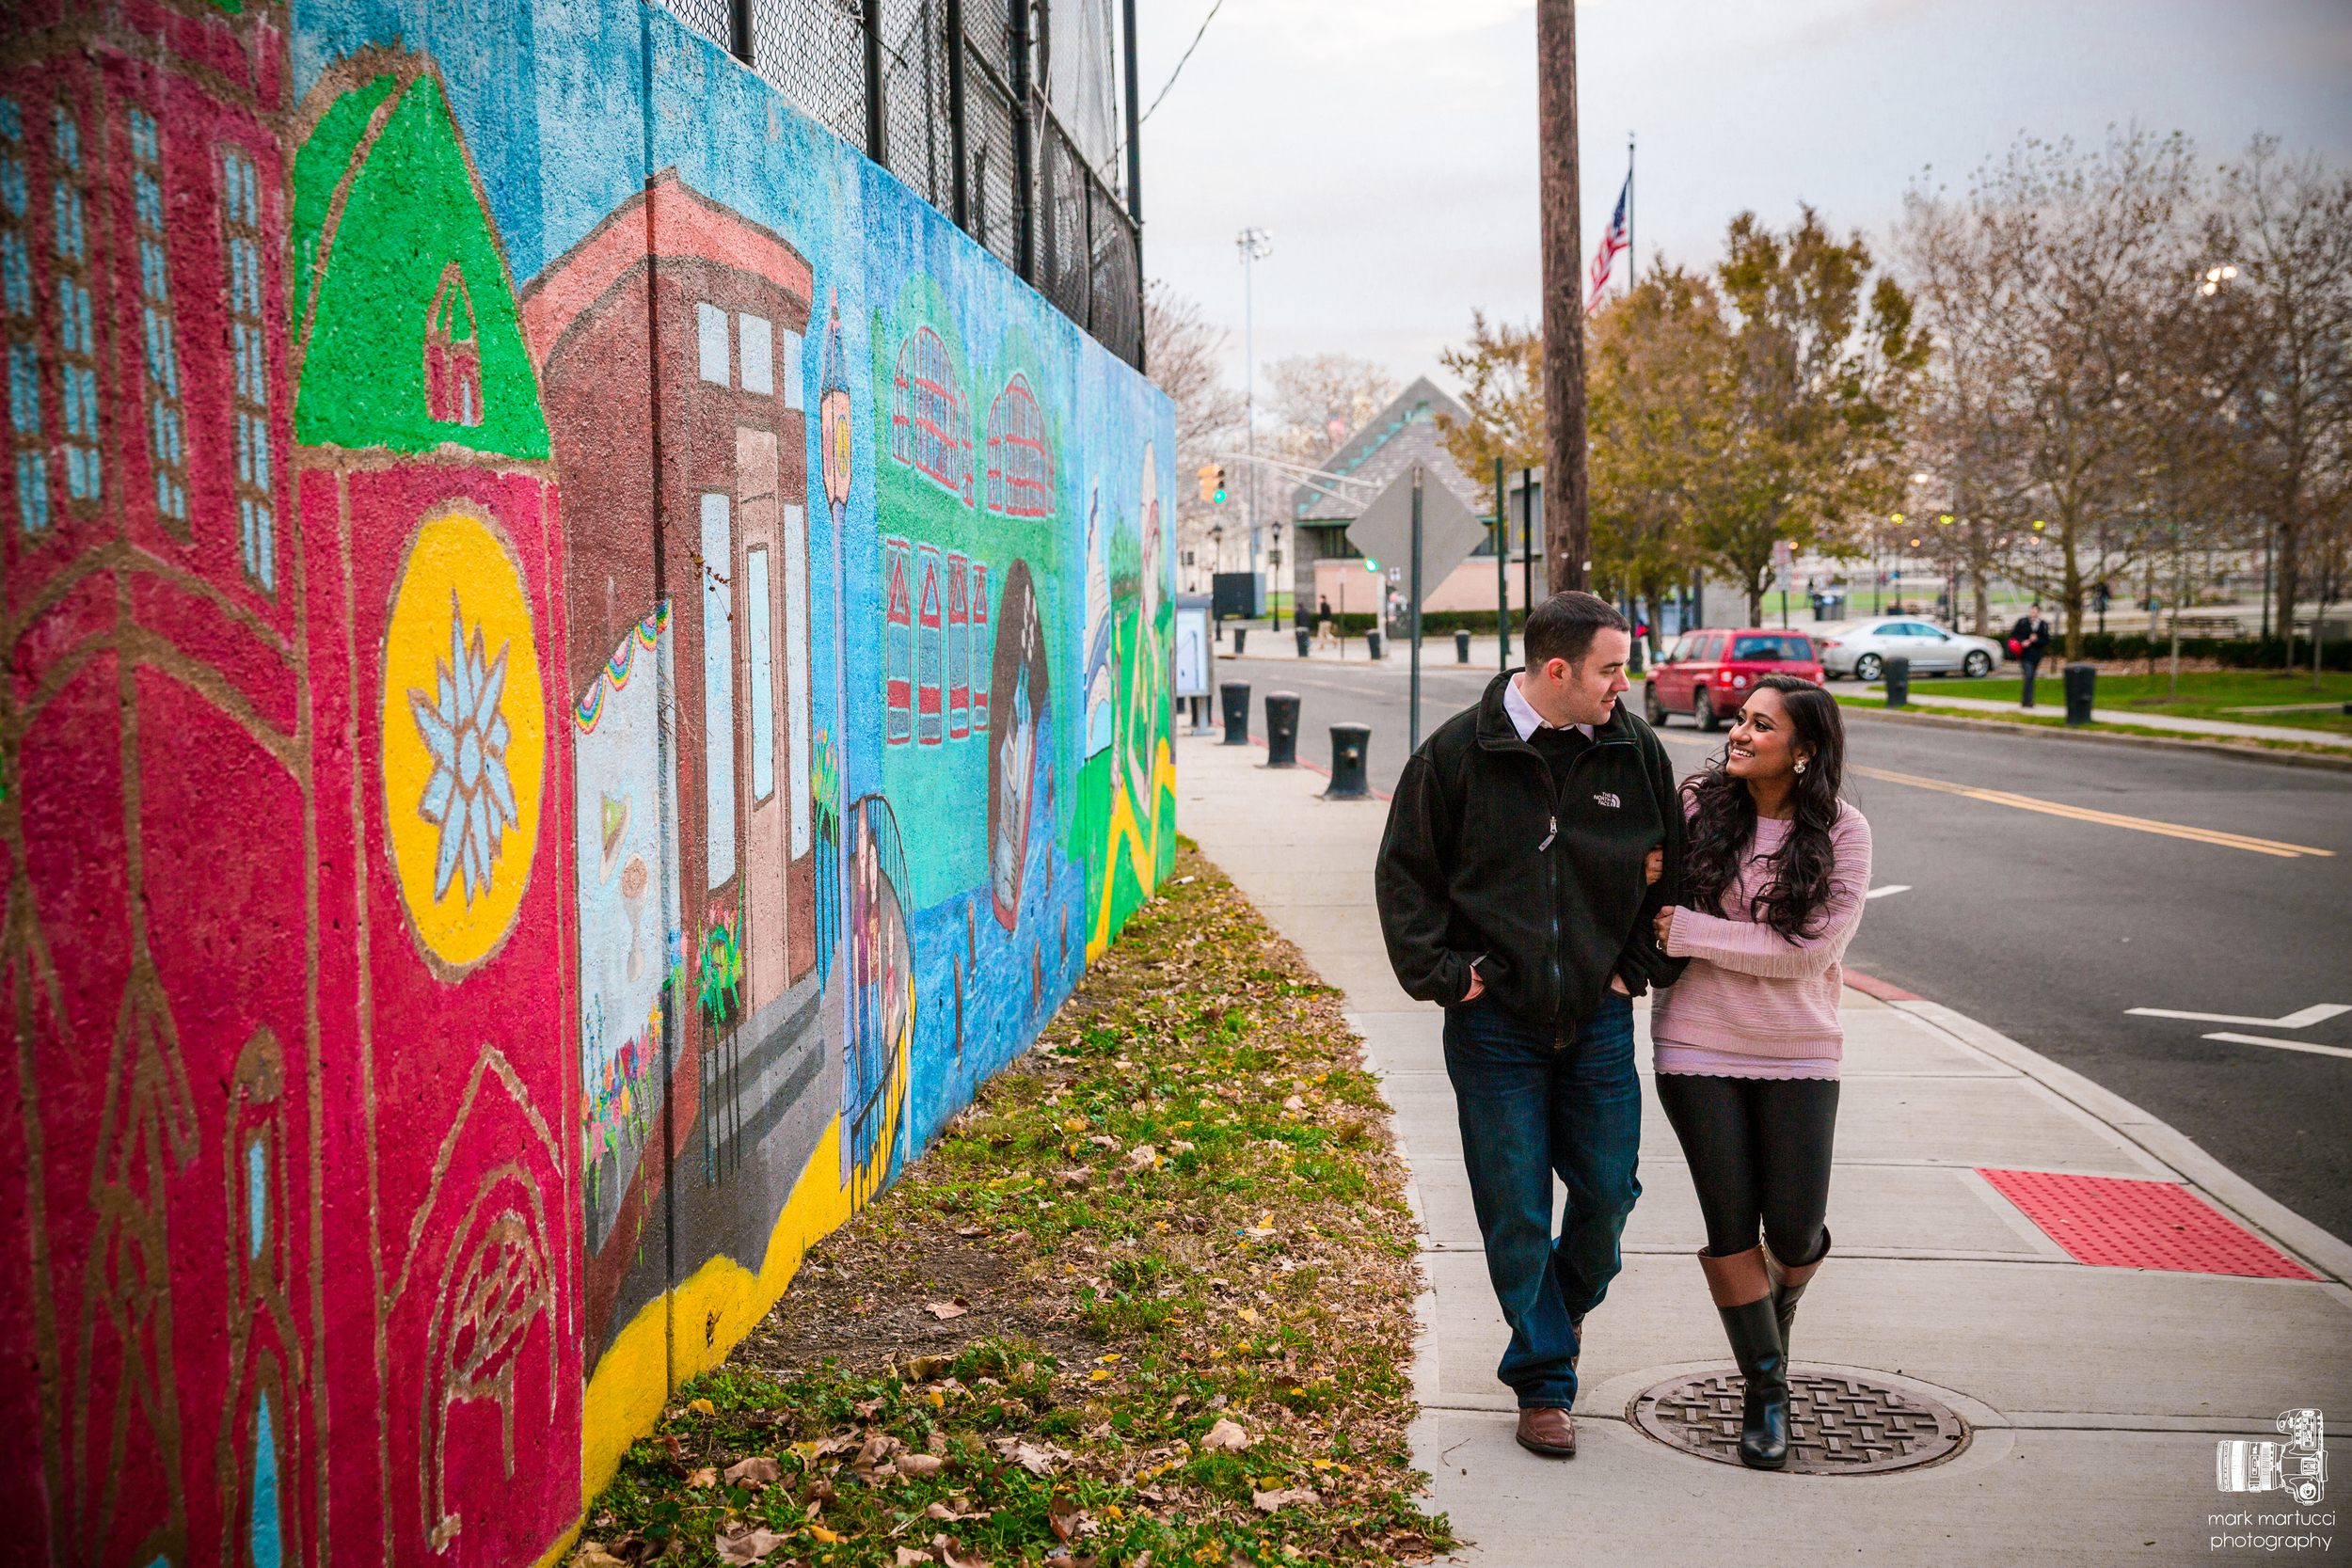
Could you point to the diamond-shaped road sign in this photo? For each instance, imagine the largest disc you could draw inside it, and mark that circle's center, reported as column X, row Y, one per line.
column 1449, row 531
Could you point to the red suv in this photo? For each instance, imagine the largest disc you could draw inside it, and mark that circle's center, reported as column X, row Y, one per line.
column 1706, row 673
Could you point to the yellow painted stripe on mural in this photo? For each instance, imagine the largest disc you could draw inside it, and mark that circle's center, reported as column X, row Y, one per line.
column 1145, row 855
column 2106, row 818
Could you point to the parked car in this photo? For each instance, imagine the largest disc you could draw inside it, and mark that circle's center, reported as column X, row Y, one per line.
column 1862, row 648
column 1706, row 673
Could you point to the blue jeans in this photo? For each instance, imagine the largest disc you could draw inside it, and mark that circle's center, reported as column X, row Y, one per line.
column 1533, row 1106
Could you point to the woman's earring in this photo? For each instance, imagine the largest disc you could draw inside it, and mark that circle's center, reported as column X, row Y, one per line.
column 1801, row 765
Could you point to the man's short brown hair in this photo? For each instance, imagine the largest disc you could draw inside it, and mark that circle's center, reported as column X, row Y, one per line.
column 1562, row 627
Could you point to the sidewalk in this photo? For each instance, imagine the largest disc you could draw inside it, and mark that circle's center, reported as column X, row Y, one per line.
column 1936, row 696
column 2095, row 1395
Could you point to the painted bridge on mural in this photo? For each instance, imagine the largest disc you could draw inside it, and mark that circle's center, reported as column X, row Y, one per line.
column 586, row 665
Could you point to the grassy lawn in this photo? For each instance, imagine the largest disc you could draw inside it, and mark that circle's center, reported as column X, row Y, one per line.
column 1149, row 1301
column 2054, row 716
column 2202, row 696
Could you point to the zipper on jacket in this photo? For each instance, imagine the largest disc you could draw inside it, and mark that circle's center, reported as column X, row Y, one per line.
column 1551, row 832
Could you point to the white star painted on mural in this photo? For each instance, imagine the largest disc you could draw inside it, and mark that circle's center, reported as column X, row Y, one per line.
column 470, row 796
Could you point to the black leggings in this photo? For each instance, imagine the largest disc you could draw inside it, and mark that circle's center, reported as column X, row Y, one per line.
column 1759, row 1150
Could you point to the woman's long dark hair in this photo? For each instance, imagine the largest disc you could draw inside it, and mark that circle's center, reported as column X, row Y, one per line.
column 1722, row 828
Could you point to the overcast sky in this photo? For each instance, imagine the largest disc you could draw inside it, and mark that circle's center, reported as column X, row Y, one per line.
column 1389, row 144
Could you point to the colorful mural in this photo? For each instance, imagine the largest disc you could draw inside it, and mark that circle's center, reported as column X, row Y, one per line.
column 586, row 667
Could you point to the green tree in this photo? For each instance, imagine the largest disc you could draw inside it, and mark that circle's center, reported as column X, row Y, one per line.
column 1502, row 373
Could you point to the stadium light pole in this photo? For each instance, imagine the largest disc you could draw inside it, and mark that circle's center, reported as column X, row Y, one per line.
column 1255, row 245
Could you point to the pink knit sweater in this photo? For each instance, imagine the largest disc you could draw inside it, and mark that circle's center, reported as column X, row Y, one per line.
column 1753, row 1003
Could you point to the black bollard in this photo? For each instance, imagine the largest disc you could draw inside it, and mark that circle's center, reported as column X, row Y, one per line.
column 1351, row 744
column 1372, row 640
column 1282, row 729
column 1236, row 698
column 2082, row 683
column 1898, row 681
column 1241, row 635
column 1305, row 637
column 1461, row 648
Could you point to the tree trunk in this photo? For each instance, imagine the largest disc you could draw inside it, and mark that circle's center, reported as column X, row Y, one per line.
column 2290, row 584
column 1566, row 524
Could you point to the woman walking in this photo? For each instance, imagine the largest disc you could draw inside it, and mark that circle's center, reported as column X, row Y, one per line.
column 1774, row 871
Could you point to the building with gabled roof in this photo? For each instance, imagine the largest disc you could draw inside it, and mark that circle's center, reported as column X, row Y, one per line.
column 1391, row 441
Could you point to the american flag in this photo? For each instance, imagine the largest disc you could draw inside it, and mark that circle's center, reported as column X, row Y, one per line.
column 1611, row 241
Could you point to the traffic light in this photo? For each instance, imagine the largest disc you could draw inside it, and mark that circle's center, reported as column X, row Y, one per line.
column 1213, row 483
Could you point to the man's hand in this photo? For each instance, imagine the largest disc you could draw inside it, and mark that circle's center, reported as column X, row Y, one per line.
column 1654, row 867
column 1477, row 986
column 1618, row 986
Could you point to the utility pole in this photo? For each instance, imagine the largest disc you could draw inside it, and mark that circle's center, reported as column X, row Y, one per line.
column 1414, row 631
column 1255, row 245
column 1567, row 526
column 1503, row 563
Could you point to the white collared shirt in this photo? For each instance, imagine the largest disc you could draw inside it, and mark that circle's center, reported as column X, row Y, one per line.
column 1523, row 715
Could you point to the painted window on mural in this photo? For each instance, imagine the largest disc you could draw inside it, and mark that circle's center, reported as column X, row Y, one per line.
column 929, row 429
column 958, row 650
column 718, row 689
column 710, row 341
column 77, row 338
column 756, row 336
column 793, row 348
column 1019, row 467
column 899, row 632
column 758, row 623
column 27, row 430
column 249, row 349
column 453, row 353
column 983, row 647
column 796, row 669
column 166, row 419
column 930, row 653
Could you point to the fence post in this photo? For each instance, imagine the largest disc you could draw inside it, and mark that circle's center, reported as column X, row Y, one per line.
column 739, row 23
column 877, row 145
column 1024, row 148
column 956, row 158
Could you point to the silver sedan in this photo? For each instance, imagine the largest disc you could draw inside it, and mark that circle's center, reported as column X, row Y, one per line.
column 1862, row 648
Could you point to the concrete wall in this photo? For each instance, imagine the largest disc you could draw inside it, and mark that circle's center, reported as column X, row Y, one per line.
column 583, row 668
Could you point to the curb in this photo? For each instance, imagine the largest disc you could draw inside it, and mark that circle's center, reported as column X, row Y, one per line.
column 2327, row 1254
column 2211, row 748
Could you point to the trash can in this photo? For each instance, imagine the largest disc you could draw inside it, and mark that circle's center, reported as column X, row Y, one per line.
column 2082, row 685
column 1241, row 635
column 1372, row 640
column 1304, row 638
column 1282, row 729
column 1461, row 648
column 1350, row 745
column 1898, row 681
column 1236, row 695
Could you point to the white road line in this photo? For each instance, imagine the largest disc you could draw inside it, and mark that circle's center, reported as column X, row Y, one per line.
column 2283, row 1045
column 1891, row 887
column 2318, row 1012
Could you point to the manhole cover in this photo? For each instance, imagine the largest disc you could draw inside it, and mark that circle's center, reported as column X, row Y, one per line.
column 1838, row 1426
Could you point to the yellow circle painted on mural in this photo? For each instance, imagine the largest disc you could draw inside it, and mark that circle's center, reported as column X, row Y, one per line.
column 465, row 737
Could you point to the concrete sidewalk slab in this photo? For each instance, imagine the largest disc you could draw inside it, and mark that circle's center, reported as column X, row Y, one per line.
column 2095, row 1395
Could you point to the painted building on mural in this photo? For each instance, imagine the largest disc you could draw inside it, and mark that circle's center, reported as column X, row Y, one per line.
column 588, row 668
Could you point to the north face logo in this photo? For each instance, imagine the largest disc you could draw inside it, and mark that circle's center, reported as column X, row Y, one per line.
column 1606, row 799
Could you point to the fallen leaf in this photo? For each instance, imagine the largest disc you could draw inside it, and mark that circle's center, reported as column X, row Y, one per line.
column 758, row 1470
column 964, row 1231
column 1103, row 1140
column 923, row 1369
column 1248, row 1314
column 705, row 1477
column 593, row 1555
column 1036, row 1461
column 1226, row 1434
column 749, row 1545
column 920, row 1466
column 950, row 1554
column 1179, row 1147
column 1072, row 1178
column 944, row 1311
column 1269, row 1501
column 1142, row 1157
column 908, row 1557
column 1293, row 1103
column 701, row 1407
column 824, row 1535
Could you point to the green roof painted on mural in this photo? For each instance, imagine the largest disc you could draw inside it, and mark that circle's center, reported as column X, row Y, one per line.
column 414, row 336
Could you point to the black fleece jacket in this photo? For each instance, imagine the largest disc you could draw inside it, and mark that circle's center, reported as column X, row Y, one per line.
column 1483, row 857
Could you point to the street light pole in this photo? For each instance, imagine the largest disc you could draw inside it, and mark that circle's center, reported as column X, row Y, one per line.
column 1255, row 245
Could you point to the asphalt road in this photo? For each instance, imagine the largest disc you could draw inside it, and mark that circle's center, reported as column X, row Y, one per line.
column 2049, row 927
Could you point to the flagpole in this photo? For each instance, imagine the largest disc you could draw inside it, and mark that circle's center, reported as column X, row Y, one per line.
column 1633, row 257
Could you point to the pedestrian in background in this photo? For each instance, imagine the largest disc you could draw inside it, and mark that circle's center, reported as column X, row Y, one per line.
column 2029, row 639
column 1775, row 870
column 1516, row 883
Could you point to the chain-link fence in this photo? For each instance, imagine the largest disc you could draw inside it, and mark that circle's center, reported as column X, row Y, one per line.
column 955, row 126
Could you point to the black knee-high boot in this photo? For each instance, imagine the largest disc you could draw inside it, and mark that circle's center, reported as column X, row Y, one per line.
column 1743, row 1299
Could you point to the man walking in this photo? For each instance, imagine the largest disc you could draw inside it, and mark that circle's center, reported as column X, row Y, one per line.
column 1517, row 882
column 2029, row 639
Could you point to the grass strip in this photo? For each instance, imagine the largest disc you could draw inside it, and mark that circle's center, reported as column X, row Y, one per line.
column 1148, row 1301
column 2058, row 721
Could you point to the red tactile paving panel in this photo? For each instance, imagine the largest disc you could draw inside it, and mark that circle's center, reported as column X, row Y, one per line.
column 2119, row 1223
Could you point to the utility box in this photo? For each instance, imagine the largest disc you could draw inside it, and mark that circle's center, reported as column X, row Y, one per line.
column 1237, row 596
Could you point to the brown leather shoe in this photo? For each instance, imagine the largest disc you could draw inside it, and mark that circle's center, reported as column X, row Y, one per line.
column 1548, row 1431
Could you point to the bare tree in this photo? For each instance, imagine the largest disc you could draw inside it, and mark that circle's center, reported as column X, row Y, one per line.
column 2286, row 227
column 1186, row 353
column 1319, row 400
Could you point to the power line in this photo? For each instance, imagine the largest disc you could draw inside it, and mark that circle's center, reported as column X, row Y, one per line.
column 1187, row 55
